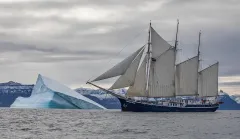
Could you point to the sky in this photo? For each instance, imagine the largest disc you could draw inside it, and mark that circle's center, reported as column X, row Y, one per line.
column 72, row 41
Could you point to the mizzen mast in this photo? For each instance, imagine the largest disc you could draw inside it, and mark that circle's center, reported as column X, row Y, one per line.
column 198, row 54
column 199, row 43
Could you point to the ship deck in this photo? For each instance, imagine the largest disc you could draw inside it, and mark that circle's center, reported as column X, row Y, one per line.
column 135, row 106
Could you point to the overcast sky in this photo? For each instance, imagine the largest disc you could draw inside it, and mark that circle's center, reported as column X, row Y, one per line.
column 73, row 40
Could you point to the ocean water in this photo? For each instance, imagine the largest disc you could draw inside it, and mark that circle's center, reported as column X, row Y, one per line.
column 74, row 124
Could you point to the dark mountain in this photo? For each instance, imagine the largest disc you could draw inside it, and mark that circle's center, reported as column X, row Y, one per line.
column 229, row 103
column 9, row 91
column 109, row 103
column 99, row 96
column 10, row 83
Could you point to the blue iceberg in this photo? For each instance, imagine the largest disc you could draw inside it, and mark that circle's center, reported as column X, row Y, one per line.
column 48, row 93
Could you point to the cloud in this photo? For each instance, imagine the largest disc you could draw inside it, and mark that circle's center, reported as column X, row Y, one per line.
column 69, row 40
column 230, row 84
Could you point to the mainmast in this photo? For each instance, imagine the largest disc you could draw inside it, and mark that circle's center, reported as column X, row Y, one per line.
column 175, row 56
column 148, row 60
column 198, row 54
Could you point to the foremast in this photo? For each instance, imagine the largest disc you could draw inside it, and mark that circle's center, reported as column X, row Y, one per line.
column 149, row 57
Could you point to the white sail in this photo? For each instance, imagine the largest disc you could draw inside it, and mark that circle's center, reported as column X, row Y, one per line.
column 162, row 75
column 159, row 45
column 208, row 81
column 120, row 68
column 165, row 62
column 187, row 77
column 127, row 79
column 139, row 86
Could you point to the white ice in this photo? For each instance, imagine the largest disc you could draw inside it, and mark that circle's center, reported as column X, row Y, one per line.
column 48, row 93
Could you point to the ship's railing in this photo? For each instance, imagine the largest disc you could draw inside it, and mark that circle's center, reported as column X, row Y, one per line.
column 178, row 102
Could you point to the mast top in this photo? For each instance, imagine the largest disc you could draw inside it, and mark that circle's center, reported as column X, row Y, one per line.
column 176, row 40
column 199, row 42
column 150, row 23
column 177, row 23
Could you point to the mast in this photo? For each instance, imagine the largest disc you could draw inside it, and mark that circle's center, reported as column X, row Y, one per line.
column 175, row 56
column 198, row 54
column 199, row 43
column 176, row 40
column 148, row 60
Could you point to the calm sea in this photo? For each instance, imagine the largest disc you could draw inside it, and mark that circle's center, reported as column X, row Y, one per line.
column 71, row 124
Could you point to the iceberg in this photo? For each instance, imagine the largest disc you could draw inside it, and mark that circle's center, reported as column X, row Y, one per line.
column 48, row 93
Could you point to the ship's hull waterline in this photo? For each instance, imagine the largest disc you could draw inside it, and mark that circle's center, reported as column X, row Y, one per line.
column 142, row 107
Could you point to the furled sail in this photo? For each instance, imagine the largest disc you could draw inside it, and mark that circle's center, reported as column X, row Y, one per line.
column 208, row 81
column 120, row 68
column 187, row 77
column 127, row 79
column 159, row 45
column 139, row 86
column 162, row 75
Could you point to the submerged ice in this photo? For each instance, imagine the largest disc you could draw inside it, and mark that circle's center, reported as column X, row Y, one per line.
column 48, row 93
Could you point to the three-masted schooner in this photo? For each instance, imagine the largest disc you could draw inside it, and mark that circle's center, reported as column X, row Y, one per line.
column 157, row 84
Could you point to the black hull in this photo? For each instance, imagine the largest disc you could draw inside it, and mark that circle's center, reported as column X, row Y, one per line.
column 141, row 107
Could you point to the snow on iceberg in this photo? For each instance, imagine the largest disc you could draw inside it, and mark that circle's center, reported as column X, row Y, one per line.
column 236, row 98
column 48, row 93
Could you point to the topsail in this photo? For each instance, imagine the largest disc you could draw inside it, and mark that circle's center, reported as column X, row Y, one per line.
column 159, row 45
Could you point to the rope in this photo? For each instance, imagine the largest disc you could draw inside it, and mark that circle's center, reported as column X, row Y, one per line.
column 137, row 35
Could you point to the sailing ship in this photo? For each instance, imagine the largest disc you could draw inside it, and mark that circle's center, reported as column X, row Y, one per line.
column 157, row 84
